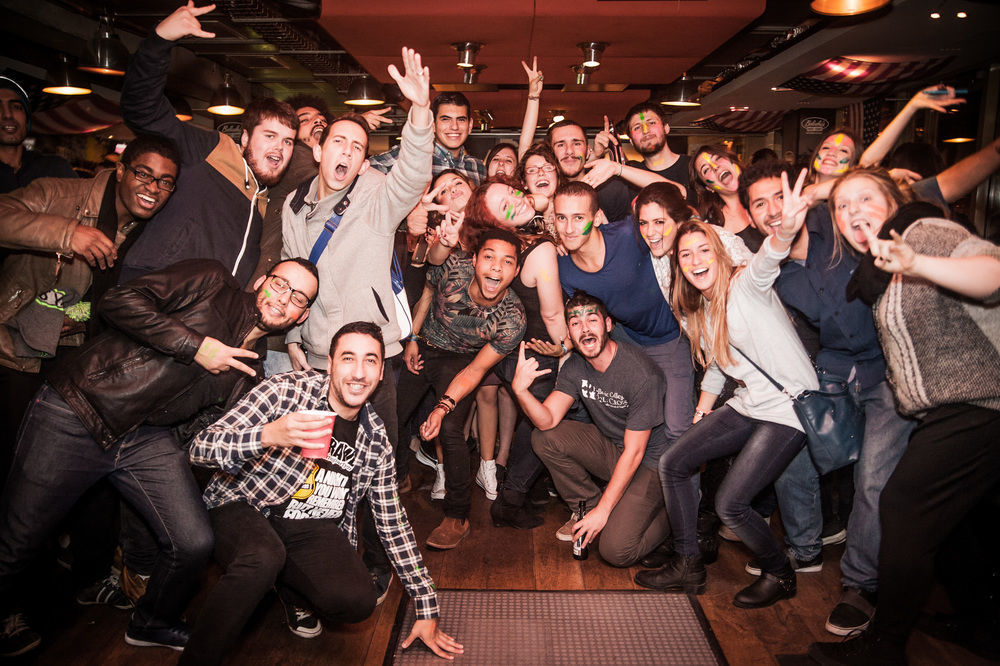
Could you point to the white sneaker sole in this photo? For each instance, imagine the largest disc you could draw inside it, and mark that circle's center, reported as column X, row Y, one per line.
column 140, row 643
column 490, row 494
column 307, row 633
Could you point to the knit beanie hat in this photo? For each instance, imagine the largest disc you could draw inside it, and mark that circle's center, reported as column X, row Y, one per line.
column 10, row 84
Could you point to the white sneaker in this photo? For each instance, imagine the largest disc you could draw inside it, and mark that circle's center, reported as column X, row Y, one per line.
column 486, row 478
column 437, row 490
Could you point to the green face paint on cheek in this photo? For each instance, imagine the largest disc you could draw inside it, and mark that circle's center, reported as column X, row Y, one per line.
column 587, row 227
column 510, row 213
column 266, row 293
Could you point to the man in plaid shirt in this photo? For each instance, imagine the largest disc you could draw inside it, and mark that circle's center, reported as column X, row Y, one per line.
column 286, row 521
column 452, row 124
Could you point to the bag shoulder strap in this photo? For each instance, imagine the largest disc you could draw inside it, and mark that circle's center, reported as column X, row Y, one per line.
column 769, row 377
column 331, row 225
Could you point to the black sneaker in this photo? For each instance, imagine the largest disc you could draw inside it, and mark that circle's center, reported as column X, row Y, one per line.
column 16, row 637
column 427, row 455
column 808, row 566
column 175, row 637
column 382, row 582
column 107, row 591
column 302, row 622
column 852, row 613
column 834, row 532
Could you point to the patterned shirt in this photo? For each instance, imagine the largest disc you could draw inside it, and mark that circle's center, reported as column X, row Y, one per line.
column 466, row 164
column 265, row 477
column 456, row 323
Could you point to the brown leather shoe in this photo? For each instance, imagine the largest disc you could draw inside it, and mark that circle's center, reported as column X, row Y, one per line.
column 448, row 534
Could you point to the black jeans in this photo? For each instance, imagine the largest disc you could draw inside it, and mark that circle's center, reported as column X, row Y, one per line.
column 440, row 367
column 764, row 451
column 523, row 466
column 57, row 461
column 951, row 464
column 311, row 561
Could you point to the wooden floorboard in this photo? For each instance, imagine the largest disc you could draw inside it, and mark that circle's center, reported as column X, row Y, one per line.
column 492, row 558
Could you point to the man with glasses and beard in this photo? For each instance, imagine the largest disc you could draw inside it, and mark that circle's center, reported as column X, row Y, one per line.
column 179, row 340
column 222, row 193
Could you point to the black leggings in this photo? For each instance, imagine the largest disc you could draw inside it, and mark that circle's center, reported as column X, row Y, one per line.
column 763, row 450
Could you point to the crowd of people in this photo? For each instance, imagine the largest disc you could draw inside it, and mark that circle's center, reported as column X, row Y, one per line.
column 183, row 332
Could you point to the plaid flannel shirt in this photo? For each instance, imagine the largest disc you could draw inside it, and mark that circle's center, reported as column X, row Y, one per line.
column 264, row 477
column 466, row 164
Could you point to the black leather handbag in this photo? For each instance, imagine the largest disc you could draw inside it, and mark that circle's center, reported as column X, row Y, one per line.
column 832, row 417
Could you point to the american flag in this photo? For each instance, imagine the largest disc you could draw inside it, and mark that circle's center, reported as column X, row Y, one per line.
column 859, row 78
column 864, row 118
column 742, row 121
column 78, row 116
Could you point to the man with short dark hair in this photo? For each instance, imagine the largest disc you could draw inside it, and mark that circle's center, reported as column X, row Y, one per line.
column 180, row 340
column 647, row 129
column 290, row 522
column 66, row 238
column 610, row 263
column 452, row 123
column 616, row 184
column 623, row 394
column 467, row 320
column 222, row 192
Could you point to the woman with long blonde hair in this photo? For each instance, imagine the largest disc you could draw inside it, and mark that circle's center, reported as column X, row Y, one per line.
column 734, row 320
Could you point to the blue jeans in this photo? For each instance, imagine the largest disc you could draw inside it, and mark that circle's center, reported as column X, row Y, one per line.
column 57, row 461
column 886, row 435
column 763, row 451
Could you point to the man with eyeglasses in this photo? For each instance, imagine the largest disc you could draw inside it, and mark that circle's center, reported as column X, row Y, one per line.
column 179, row 341
column 66, row 238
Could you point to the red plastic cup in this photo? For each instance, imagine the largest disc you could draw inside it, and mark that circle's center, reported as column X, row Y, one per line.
column 323, row 439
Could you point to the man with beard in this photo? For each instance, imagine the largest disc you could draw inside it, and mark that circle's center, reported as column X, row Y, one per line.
column 467, row 320
column 647, row 129
column 179, row 340
column 222, row 193
column 288, row 521
column 616, row 184
column 623, row 394
column 18, row 165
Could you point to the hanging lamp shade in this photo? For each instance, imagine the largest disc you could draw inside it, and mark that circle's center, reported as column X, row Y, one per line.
column 64, row 79
column 847, row 7
column 182, row 109
column 365, row 91
column 105, row 52
column 682, row 92
column 226, row 101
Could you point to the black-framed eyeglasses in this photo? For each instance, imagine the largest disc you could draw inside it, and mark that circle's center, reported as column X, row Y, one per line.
column 144, row 177
column 281, row 286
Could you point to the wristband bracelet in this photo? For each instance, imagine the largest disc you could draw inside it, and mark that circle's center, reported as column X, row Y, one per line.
column 448, row 399
column 446, row 407
column 533, row 98
column 702, row 413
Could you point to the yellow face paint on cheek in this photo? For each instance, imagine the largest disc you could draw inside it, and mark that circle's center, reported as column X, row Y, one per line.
column 816, row 163
column 710, row 261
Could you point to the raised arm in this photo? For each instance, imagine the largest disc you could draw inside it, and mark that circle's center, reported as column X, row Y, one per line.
column 603, row 169
column 535, row 79
column 961, row 178
column 937, row 98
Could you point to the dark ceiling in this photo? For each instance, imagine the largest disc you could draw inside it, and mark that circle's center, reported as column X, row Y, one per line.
column 740, row 49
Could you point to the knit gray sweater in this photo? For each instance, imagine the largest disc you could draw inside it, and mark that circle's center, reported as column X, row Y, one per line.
column 940, row 348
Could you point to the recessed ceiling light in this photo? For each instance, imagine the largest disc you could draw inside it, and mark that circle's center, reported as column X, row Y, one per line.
column 935, row 15
column 739, row 108
column 961, row 15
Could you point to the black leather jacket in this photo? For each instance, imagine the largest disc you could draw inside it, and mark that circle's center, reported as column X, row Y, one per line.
column 142, row 370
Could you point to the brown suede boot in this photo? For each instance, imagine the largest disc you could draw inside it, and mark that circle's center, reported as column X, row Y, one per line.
column 448, row 534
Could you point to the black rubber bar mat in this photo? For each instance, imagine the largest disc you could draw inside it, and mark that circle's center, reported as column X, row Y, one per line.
column 571, row 628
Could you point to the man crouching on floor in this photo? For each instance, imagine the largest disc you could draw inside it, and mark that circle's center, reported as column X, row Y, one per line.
column 288, row 521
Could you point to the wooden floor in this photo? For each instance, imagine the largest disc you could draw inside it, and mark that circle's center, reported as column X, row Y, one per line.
column 492, row 558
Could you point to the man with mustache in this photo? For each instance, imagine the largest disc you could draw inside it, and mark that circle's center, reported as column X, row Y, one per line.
column 623, row 393
column 222, row 199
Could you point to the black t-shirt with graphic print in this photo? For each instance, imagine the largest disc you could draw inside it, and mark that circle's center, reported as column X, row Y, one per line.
column 323, row 494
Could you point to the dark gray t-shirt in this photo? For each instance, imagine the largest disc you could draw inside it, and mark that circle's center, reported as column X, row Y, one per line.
column 629, row 395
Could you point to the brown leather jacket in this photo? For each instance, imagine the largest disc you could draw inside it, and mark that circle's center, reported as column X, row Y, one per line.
column 37, row 222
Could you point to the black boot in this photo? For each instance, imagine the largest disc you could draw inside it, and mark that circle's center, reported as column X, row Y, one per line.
column 768, row 589
column 681, row 574
column 659, row 556
column 708, row 537
column 508, row 511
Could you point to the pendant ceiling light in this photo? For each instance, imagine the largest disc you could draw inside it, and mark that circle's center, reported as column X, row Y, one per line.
column 365, row 91
column 847, row 7
column 682, row 92
column 592, row 52
column 470, row 75
column 467, row 52
column 105, row 53
column 64, row 79
column 226, row 101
